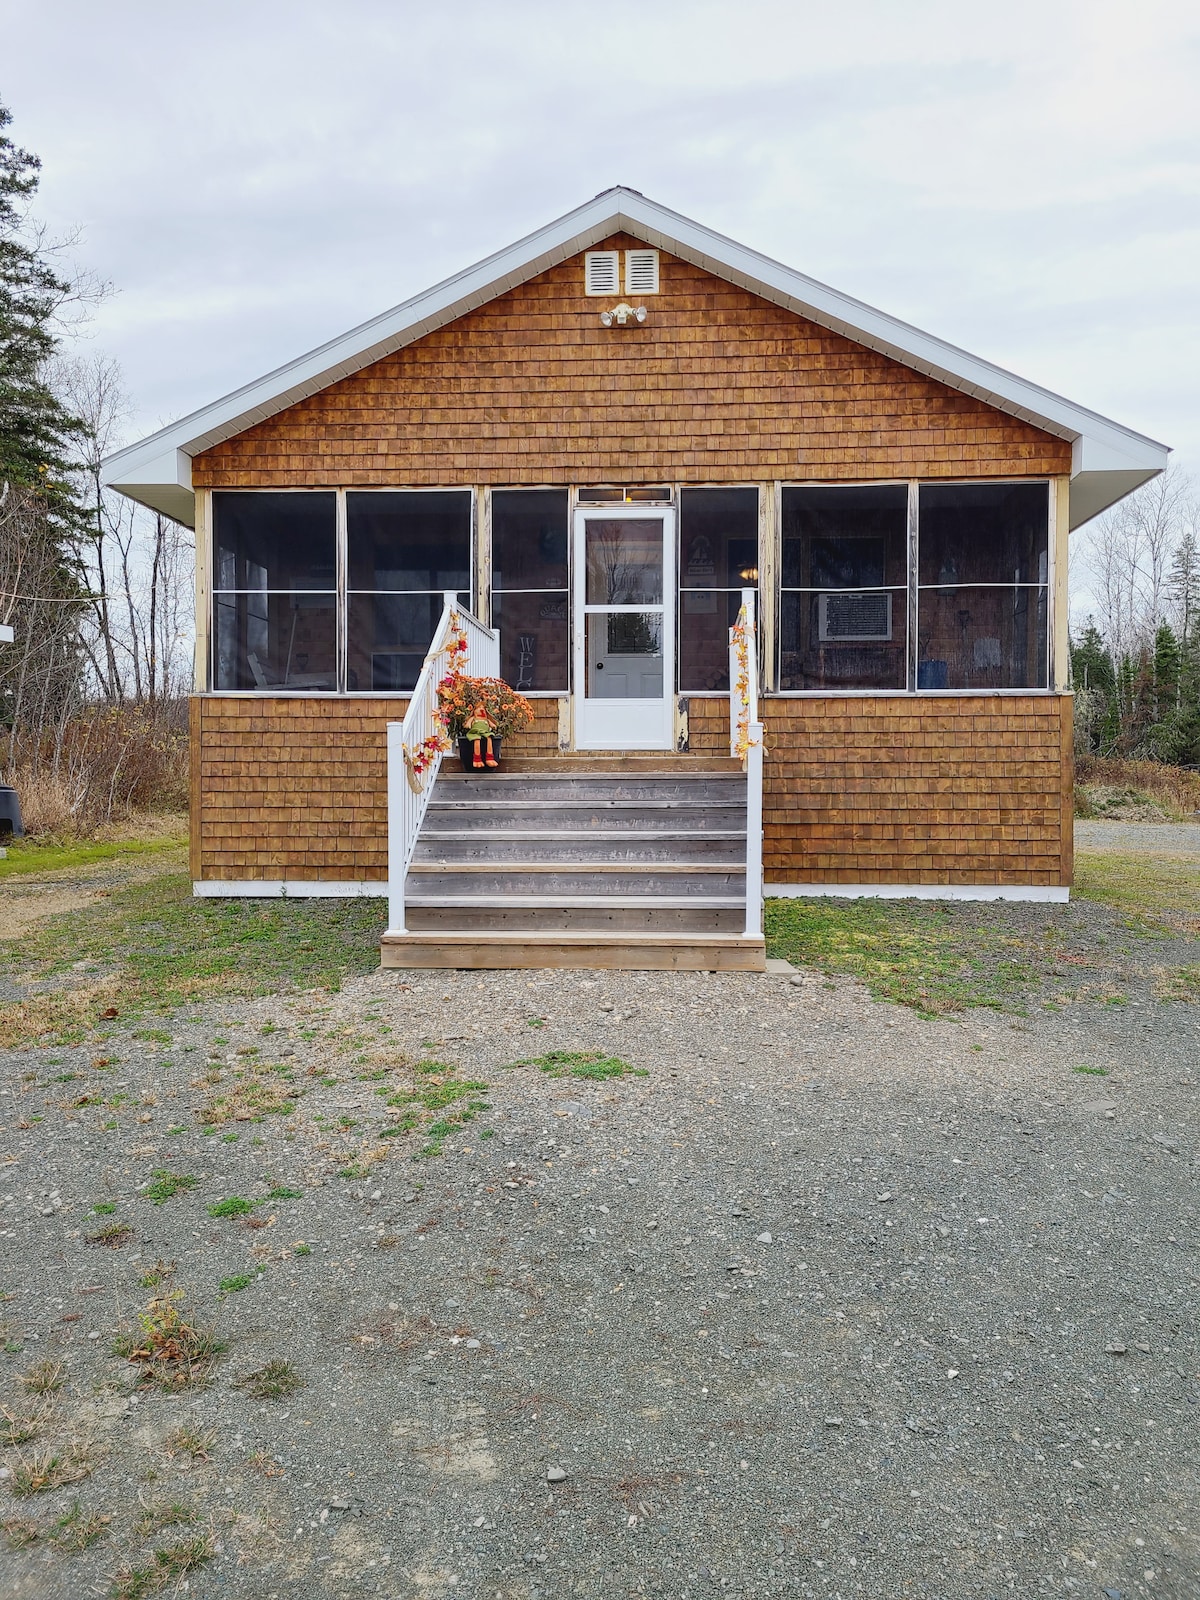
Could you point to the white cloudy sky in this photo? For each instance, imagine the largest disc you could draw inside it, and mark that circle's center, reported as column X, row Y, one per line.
column 255, row 177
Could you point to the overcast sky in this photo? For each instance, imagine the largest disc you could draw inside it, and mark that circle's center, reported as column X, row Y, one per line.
column 254, row 178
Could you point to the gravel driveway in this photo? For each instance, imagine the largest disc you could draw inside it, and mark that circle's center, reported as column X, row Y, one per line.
column 1141, row 838
column 833, row 1301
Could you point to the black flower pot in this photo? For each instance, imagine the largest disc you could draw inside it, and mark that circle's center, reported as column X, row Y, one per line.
column 466, row 754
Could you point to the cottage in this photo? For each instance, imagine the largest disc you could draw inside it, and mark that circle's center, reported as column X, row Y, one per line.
column 594, row 455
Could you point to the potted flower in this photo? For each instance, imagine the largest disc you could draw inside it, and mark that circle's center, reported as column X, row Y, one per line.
column 479, row 713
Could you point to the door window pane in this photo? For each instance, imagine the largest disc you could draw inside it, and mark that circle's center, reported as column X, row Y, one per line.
column 274, row 641
column 624, row 655
column 624, row 561
column 534, row 639
column 971, row 638
column 409, row 540
column 274, row 541
column 983, row 533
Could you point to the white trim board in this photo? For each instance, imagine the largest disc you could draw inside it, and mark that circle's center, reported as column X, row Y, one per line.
column 1044, row 893
column 287, row 888
column 1108, row 460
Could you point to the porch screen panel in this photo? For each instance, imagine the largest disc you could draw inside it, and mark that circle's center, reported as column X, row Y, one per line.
column 530, row 596
column 718, row 558
column 983, row 593
column 403, row 549
column 843, row 613
column 274, row 590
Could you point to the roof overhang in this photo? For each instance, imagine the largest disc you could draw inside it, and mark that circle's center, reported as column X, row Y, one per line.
column 1108, row 460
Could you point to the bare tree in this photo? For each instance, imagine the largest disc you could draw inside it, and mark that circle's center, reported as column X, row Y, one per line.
column 1131, row 551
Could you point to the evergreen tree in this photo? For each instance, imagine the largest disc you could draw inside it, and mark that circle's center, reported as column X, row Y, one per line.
column 37, row 432
column 1165, row 738
column 1095, row 681
column 1184, row 586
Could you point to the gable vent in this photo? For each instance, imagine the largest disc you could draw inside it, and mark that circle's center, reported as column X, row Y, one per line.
column 602, row 272
column 641, row 272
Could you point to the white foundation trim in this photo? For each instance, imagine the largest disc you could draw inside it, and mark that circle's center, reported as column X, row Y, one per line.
column 287, row 888
column 917, row 891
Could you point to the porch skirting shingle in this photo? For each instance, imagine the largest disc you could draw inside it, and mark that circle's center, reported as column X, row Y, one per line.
column 966, row 796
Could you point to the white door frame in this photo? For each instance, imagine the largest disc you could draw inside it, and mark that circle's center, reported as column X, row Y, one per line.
column 623, row 724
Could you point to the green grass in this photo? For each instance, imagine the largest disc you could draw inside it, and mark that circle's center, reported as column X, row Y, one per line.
column 924, row 954
column 279, row 1192
column 233, row 1206
column 239, row 1281
column 157, row 949
column 1158, row 891
column 165, row 1184
column 275, row 1381
column 51, row 855
column 582, row 1064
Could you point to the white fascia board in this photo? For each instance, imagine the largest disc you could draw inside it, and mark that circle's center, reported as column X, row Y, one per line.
column 623, row 210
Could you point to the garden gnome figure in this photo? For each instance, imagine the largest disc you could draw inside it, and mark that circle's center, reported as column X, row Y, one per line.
column 479, row 731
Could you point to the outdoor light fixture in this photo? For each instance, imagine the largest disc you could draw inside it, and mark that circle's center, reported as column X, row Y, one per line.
column 622, row 315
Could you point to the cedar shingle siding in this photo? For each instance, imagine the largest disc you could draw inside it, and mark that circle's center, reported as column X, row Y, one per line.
column 716, row 386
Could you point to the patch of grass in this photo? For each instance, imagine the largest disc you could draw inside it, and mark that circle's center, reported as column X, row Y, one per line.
column 114, row 1235
column 921, row 954
column 239, row 1281
column 233, row 1206
column 165, row 1514
column 21, row 1532
column 302, row 1250
column 77, row 1529
column 280, row 1192
column 104, row 1208
column 582, row 1064
column 273, row 1382
column 45, row 1377
column 1161, row 891
column 197, row 1445
column 49, row 1469
column 161, row 1272
column 164, row 1184
column 153, row 1035
column 1094, row 1072
column 1181, row 983
column 250, row 1099
column 170, row 949
column 170, row 1351
column 168, row 1566
column 52, row 855
column 16, row 1430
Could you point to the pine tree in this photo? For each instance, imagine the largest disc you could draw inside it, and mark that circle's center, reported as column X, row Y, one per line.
column 37, row 432
column 1183, row 585
column 1095, row 681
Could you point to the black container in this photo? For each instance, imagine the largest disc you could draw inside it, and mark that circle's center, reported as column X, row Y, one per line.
column 466, row 754
column 10, row 813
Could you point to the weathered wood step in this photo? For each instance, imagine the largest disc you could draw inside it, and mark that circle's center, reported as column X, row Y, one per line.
column 581, row 817
column 498, row 913
column 557, row 881
column 578, row 848
column 557, row 787
column 619, row 951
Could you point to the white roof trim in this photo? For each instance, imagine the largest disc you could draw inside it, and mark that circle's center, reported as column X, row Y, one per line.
column 1108, row 460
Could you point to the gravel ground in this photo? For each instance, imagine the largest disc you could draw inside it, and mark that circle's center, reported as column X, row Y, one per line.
column 833, row 1301
column 1149, row 838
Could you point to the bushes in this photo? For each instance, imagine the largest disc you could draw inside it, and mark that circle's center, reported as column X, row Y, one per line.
column 1107, row 786
column 100, row 767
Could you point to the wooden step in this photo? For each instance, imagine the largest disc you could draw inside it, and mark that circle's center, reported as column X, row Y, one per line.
column 556, row 881
column 643, row 847
column 623, row 951
column 506, row 913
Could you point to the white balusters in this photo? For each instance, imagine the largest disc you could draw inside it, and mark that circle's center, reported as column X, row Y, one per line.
column 415, row 746
column 746, row 746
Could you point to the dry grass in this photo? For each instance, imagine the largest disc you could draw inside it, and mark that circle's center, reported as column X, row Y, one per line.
column 170, row 1352
column 1173, row 789
column 273, row 1382
column 50, row 1469
column 45, row 1377
column 168, row 1566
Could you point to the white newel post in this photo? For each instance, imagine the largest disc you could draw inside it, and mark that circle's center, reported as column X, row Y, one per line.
column 397, row 784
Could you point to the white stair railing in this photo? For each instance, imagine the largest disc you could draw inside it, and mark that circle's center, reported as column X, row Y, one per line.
column 415, row 746
column 746, row 746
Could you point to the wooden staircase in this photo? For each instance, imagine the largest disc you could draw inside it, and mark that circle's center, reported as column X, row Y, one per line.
column 633, row 862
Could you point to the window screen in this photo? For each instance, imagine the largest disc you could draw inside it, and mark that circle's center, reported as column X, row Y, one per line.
column 530, row 596
column 718, row 558
column 274, row 590
column 843, row 615
column 403, row 550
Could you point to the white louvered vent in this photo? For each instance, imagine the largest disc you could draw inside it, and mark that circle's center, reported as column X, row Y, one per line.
column 641, row 272
column 602, row 272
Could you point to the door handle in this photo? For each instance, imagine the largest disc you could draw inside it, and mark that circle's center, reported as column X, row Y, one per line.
column 599, row 666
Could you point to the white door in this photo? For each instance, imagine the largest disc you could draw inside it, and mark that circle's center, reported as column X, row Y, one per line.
column 624, row 628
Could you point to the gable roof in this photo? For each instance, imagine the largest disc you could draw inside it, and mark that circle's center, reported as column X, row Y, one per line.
column 1108, row 460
